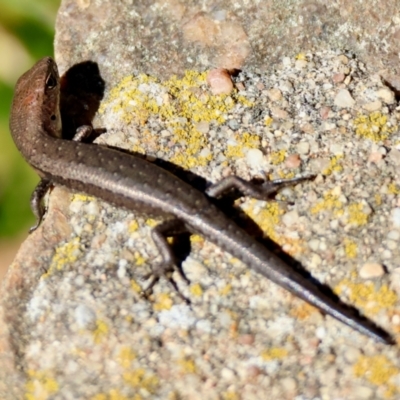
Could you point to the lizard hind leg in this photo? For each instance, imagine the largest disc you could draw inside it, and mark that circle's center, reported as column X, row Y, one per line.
column 258, row 191
column 168, row 265
column 37, row 206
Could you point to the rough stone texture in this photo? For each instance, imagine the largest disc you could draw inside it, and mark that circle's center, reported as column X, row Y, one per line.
column 72, row 322
column 166, row 37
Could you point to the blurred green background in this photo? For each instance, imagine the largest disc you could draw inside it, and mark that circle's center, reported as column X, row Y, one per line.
column 26, row 34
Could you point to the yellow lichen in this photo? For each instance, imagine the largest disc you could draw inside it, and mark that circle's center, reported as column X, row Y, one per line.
column 152, row 223
column 82, row 197
column 126, row 356
column 100, row 332
column 366, row 296
column 333, row 166
column 277, row 157
column 274, row 353
column 267, row 218
column 393, row 189
column 374, row 126
column 99, row 396
column 139, row 379
column 286, row 174
column 180, row 104
column 133, row 226
column 350, row 248
column 356, row 215
column 301, row 56
column 230, row 395
column 330, row 202
column 196, row 290
column 163, row 302
column 65, row 254
column 139, row 259
column 376, row 369
column 233, row 151
column 40, row 385
column 114, row 394
column 268, row 121
column 196, row 239
column 135, row 286
column 244, row 141
column 188, row 366
column 225, row 290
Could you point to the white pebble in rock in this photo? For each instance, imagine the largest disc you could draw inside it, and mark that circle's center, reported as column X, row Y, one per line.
column 303, row 148
column 396, row 217
column 290, row 218
column 362, row 393
column 393, row 235
column 289, row 385
column 85, row 317
column 343, row 99
column 254, row 158
column 386, row 95
column 373, row 106
column 371, row 270
column 202, row 127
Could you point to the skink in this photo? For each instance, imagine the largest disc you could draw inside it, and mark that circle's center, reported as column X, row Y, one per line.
column 134, row 183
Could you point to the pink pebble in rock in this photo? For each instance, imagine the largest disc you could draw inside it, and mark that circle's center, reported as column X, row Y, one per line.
column 220, row 81
column 293, row 161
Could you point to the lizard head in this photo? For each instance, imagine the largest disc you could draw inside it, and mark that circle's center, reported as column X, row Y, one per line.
column 35, row 108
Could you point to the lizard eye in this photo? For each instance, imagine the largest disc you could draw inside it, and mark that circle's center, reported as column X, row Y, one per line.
column 51, row 82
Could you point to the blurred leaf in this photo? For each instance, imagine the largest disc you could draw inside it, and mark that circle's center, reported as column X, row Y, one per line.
column 37, row 38
column 14, row 213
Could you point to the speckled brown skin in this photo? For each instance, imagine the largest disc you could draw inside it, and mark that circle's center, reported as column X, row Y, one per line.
column 127, row 181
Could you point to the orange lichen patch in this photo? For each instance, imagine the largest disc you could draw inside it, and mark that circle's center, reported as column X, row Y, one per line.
column 40, row 385
column 366, row 296
column 374, row 126
column 302, row 311
column 274, row 353
column 163, row 302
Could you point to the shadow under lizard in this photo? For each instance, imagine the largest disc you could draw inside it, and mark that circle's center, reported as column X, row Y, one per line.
column 134, row 183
